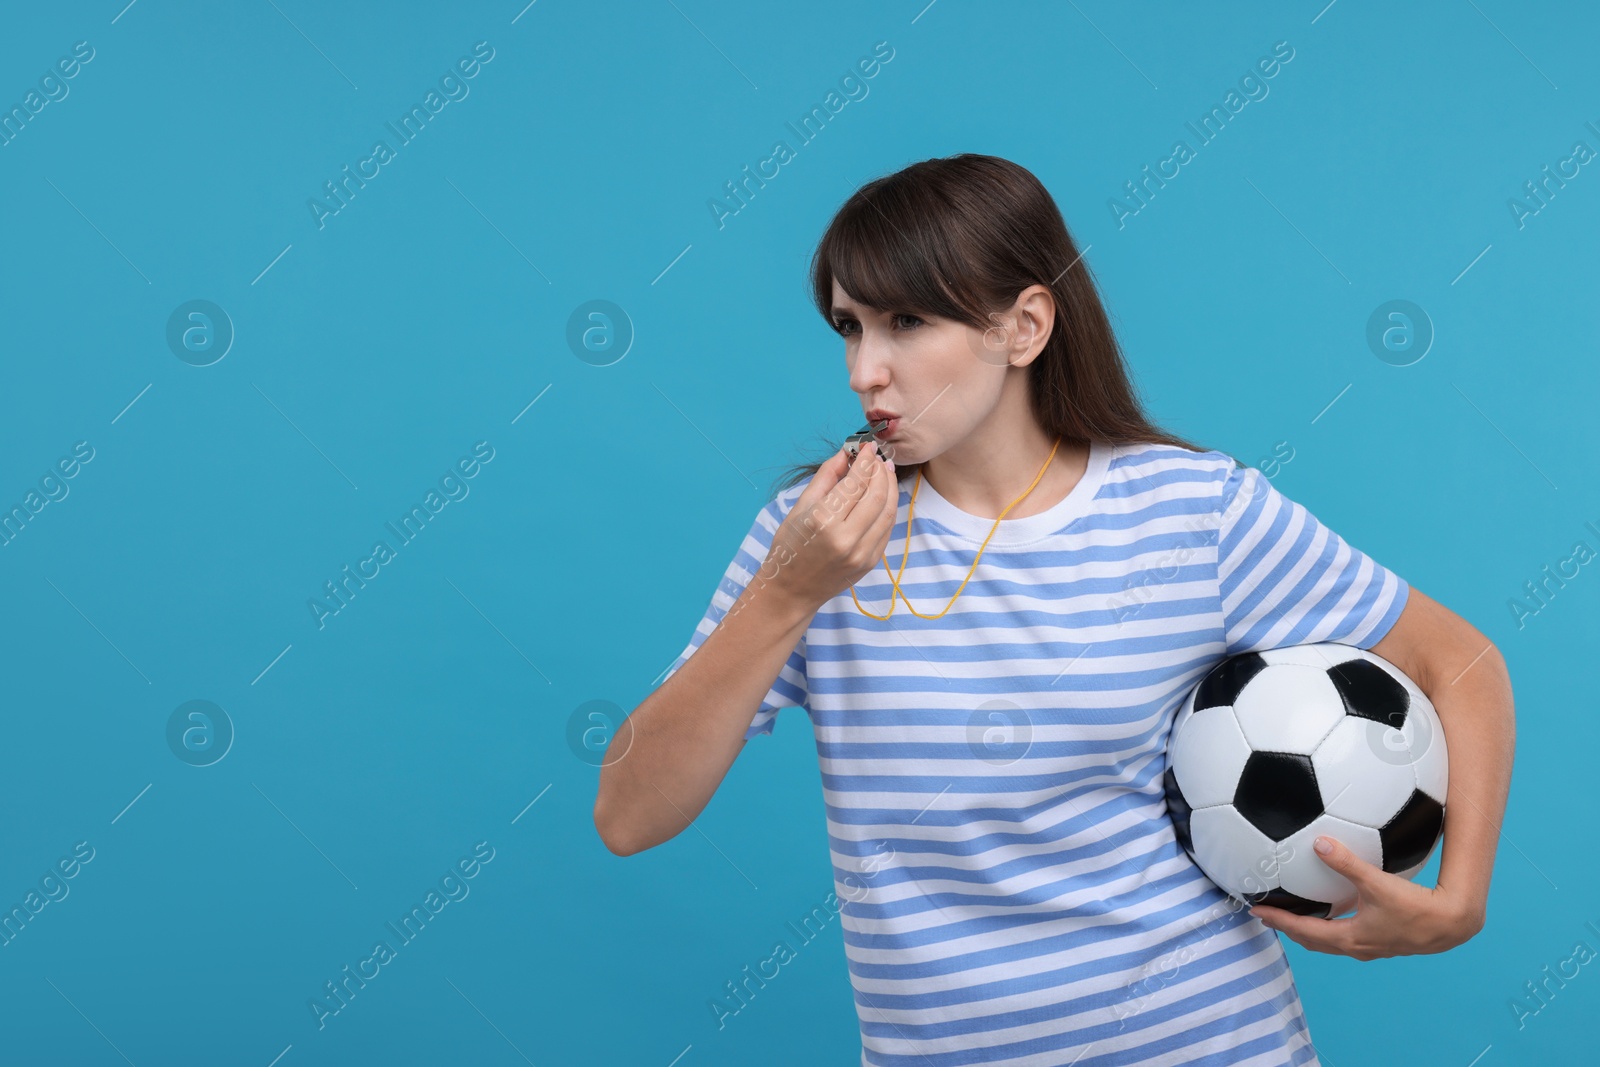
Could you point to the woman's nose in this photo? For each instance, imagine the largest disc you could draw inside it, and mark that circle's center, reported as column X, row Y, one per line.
column 867, row 368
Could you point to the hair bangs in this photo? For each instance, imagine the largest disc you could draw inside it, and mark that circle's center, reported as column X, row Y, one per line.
column 884, row 252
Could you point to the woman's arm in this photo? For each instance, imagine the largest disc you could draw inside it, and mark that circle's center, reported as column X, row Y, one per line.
column 668, row 757
column 1465, row 677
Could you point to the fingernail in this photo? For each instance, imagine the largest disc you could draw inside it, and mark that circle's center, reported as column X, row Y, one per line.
column 1322, row 845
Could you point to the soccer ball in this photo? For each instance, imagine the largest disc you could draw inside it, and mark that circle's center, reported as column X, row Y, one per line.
column 1274, row 748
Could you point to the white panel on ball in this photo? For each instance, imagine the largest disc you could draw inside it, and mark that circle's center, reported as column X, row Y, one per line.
column 1238, row 857
column 1288, row 709
column 1358, row 784
column 1424, row 737
column 1321, row 656
column 1304, row 873
column 1208, row 757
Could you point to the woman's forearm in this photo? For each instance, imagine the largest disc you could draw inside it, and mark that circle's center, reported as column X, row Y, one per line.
column 1475, row 707
column 669, row 756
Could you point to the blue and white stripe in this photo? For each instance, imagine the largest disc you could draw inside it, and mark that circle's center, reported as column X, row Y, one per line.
column 1012, row 891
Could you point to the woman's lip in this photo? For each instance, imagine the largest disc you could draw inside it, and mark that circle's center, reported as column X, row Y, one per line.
column 888, row 431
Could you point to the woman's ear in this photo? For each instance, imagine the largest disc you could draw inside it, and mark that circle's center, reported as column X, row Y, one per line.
column 1034, row 314
column 1016, row 335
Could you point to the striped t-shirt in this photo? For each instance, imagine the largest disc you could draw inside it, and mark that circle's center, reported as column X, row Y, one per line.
column 1009, row 884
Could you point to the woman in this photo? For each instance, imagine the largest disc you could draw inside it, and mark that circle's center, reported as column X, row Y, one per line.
column 992, row 750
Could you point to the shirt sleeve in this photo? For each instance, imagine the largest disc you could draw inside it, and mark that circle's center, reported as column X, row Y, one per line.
column 1286, row 579
column 789, row 690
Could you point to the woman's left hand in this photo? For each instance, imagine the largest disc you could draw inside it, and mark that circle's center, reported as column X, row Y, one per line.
column 1394, row 916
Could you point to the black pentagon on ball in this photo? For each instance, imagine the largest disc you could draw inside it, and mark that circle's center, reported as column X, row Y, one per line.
column 1410, row 835
column 1370, row 692
column 1179, row 809
column 1278, row 793
column 1223, row 683
column 1282, row 898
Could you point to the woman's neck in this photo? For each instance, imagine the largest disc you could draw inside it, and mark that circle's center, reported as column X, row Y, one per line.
column 993, row 466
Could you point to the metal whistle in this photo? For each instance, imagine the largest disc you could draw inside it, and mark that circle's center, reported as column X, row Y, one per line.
column 858, row 440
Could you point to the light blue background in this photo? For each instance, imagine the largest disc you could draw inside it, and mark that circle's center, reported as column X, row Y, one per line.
column 432, row 310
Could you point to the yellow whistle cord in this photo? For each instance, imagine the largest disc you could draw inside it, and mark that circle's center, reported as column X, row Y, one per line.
column 911, row 512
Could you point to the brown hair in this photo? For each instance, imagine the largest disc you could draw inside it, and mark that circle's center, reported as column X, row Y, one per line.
column 960, row 238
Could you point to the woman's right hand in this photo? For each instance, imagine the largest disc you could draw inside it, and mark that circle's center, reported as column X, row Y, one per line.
column 851, row 510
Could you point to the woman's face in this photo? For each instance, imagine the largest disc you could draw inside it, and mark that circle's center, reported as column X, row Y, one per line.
column 933, row 375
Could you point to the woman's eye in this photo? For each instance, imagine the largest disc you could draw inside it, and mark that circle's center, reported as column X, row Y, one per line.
column 904, row 323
